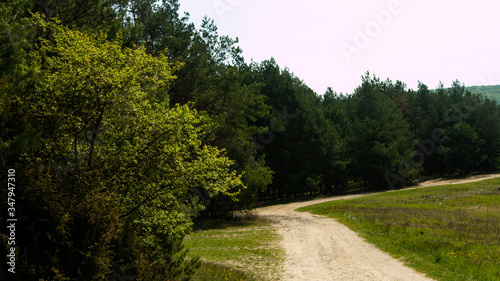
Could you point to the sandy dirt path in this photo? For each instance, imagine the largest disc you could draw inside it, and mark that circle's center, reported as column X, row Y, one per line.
column 320, row 248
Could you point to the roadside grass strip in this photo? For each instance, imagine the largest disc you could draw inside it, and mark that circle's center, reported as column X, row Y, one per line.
column 450, row 232
column 235, row 250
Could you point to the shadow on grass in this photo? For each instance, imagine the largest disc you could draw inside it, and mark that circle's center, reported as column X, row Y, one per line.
column 243, row 219
column 211, row 271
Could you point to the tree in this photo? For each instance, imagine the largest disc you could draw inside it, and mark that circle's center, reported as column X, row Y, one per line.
column 303, row 146
column 463, row 148
column 113, row 164
column 215, row 80
column 380, row 136
column 84, row 15
column 485, row 119
column 335, row 142
column 279, row 143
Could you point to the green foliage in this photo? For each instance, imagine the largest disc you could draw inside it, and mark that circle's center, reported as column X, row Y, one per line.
column 83, row 15
column 492, row 92
column 379, row 134
column 464, row 147
column 215, row 81
column 212, row 271
column 115, row 155
column 138, row 121
column 469, row 123
column 302, row 146
column 72, row 228
column 13, row 36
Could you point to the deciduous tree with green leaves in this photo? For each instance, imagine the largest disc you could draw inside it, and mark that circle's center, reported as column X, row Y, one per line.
column 216, row 81
column 111, row 183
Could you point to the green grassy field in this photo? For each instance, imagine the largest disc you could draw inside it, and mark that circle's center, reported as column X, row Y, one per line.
column 235, row 250
column 450, row 232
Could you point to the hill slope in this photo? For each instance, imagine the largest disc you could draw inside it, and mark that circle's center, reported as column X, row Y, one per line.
column 492, row 92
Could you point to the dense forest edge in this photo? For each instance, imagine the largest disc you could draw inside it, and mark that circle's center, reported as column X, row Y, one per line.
column 121, row 122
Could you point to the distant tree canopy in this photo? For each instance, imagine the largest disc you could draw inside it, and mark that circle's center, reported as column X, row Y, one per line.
column 124, row 121
column 492, row 91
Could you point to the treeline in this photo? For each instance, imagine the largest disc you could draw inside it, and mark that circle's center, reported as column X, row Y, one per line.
column 381, row 136
column 124, row 122
column 121, row 121
column 491, row 92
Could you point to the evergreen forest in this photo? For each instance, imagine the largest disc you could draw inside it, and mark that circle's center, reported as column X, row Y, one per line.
column 123, row 122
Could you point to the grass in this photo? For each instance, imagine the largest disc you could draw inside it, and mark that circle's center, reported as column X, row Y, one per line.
column 449, row 232
column 245, row 249
column 214, row 272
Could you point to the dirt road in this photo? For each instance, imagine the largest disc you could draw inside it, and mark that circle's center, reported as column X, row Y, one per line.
column 320, row 248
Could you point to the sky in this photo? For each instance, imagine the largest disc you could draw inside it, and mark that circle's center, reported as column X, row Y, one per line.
column 332, row 43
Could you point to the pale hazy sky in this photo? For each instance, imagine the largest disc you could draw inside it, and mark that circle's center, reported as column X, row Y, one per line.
column 333, row 43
